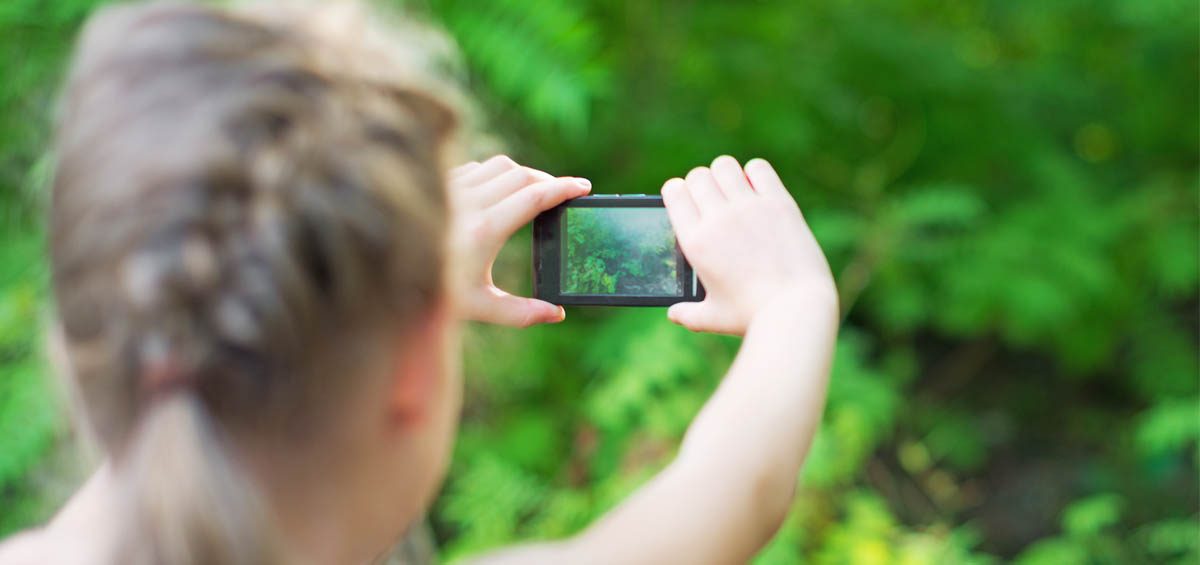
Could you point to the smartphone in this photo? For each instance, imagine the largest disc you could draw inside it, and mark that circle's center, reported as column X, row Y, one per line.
column 610, row 250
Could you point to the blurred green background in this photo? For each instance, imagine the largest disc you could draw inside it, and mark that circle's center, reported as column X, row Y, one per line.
column 1007, row 192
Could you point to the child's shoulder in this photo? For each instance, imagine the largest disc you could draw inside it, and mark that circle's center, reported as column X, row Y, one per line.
column 40, row 545
column 22, row 548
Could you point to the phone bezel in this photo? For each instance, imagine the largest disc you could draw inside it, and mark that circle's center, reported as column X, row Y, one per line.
column 547, row 257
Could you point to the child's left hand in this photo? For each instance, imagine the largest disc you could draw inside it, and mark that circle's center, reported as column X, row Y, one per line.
column 491, row 201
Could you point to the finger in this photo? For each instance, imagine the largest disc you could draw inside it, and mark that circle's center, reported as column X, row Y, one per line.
column 540, row 175
column 698, row 317
column 680, row 208
column 508, row 310
column 704, row 191
column 508, row 215
column 764, row 179
column 463, row 169
column 731, row 178
column 507, row 183
column 486, row 171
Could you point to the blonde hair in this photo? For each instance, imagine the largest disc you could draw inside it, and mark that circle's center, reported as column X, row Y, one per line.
column 240, row 196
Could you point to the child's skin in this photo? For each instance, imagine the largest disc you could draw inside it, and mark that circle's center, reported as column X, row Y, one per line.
column 344, row 500
column 729, row 489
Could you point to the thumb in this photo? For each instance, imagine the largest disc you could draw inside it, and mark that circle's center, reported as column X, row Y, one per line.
column 695, row 316
column 508, row 310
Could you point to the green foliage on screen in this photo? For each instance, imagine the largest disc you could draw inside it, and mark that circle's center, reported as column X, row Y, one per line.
column 1008, row 195
column 619, row 251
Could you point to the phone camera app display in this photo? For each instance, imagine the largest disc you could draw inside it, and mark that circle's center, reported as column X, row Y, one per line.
column 619, row 251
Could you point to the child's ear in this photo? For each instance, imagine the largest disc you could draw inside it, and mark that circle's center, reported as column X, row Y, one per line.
column 439, row 117
column 419, row 369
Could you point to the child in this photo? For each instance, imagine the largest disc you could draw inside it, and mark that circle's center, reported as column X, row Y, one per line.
column 260, row 265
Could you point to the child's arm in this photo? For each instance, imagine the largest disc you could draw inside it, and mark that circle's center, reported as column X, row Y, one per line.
column 728, row 490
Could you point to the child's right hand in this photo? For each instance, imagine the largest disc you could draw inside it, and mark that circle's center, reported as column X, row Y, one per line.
column 744, row 236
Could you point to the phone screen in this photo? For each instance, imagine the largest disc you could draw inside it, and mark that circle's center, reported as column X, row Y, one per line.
column 619, row 251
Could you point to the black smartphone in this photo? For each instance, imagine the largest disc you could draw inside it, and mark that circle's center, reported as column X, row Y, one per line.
column 610, row 250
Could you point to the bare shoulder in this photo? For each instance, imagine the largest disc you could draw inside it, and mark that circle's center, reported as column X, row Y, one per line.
column 23, row 548
column 39, row 546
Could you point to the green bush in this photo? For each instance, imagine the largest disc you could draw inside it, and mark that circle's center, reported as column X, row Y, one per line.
column 1008, row 193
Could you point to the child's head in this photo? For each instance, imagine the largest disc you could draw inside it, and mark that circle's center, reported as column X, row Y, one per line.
column 248, row 232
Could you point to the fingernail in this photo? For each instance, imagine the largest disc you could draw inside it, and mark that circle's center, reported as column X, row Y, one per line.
column 562, row 313
column 583, row 183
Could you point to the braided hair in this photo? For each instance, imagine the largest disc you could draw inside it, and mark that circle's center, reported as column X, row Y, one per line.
column 239, row 195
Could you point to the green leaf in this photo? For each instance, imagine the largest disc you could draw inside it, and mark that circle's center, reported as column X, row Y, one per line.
column 1054, row 551
column 1169, row 426
column 1093, row 514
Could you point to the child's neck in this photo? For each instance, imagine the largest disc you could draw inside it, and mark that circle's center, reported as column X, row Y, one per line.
column 313, row 526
